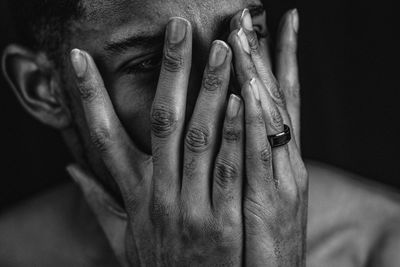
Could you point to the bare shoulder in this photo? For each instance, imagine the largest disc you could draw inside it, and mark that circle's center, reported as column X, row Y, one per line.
column 48, row 231
column 351, row 219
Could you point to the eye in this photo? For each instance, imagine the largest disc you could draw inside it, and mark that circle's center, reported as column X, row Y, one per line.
column 146, row 65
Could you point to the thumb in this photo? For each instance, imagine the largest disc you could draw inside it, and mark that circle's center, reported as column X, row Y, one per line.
column 111, row 217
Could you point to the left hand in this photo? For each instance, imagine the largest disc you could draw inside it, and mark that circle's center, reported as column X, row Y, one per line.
column 276, row 184
column 275, row 213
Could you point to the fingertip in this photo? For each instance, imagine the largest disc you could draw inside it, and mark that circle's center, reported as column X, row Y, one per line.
column 234, row 106
column 177, row 31
column 286, row 25
column 79, row 62
column 295, row 20
column 226, row 49
column 233, row 37
column 250, row 90
column 246, row 20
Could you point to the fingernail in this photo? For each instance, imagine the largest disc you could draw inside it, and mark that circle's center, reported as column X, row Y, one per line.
column 176, row 30
column 254, row 89
column 295, row 20
column 79, row 62
column 243, row 41
column 233, row 106
column 218, row 53
column 246, row 21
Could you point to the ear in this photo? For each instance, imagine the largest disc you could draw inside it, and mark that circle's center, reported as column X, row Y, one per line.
column 35, row 82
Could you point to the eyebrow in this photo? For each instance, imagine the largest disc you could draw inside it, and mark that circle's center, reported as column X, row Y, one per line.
column 134, row 41
column 141, row 41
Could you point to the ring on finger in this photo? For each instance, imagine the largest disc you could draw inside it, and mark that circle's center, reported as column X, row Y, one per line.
column 280, row 139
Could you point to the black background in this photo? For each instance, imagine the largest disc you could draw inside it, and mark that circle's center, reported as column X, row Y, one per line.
column 349, row 63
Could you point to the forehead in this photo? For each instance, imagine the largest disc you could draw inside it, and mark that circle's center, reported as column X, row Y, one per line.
column 151, row 11
column 106, row 21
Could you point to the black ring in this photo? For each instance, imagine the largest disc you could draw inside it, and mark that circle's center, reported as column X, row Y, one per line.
column 280, row 139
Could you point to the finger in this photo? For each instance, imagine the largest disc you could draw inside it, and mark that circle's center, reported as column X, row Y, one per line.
column 258, row 41
column 106, row 132
column 259, row 169
column 274, row 124
column 244, row 67
column 168, row 111
column 287, row 68
column 228, row 172
column 260, row 32
column 201, row 139
column 247, row 53
column 246, row 71
column 259, row 20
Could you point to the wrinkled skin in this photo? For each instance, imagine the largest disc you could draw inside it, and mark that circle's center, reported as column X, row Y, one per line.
column 171, row 219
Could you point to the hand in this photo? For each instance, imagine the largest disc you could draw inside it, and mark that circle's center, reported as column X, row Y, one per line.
column 172, row 217
column 276, row 185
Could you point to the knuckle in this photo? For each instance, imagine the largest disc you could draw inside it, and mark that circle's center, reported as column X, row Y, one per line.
column 276, row 119
column 277, row 94
column 255, row 213
column 100, row 138
column 266, row 156
column 212, row 82
column 197, row 139
column 163, row 121
column 232, row 134
column 87, row 92
column 253, row 42
column 251, row 70
column 173, row 60
column 226, row 172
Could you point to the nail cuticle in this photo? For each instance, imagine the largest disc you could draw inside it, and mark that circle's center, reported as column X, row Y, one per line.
column 176, row 31
column 79, row 62
column 219, row 52
column 233, row 106
column 255, row 89
column 246, row 20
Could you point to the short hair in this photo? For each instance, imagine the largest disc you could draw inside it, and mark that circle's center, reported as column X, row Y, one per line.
column 43, row 25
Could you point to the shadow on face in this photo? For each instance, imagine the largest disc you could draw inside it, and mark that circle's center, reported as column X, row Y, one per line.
column 126, row 39
column 127, row 47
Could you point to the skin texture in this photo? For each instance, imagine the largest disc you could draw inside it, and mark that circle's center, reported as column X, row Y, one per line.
column 171, row 220
column 116, row 99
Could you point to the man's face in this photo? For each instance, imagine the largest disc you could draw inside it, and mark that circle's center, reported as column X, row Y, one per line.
column 125, row 37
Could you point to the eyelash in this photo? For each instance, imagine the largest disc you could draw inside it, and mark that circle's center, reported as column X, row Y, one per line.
column 152, row 63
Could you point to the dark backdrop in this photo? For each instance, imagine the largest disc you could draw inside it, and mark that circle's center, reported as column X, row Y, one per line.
column 349, row 63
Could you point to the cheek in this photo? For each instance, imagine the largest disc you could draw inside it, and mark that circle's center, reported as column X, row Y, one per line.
column 132, row 100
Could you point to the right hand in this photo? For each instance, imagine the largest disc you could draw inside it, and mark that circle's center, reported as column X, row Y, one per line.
column 181, row 209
